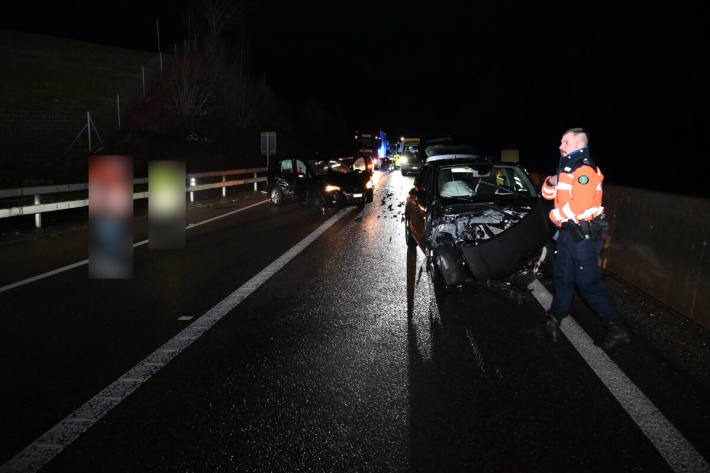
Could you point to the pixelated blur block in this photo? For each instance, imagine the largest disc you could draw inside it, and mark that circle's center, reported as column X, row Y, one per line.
column 110, row 217
column 166, row 204
column 510, row 156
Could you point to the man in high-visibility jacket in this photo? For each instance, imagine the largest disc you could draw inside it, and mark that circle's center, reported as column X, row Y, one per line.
column 579, row 215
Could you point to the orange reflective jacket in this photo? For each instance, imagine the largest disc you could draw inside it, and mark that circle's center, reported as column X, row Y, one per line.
column 577, row 195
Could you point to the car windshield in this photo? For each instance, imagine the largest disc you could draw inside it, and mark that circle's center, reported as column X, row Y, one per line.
column 324, row 166
column 483, row 181
column 358, row 164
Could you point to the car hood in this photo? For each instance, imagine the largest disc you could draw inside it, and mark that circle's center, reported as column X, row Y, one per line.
column 343, row 180
column 493, row 238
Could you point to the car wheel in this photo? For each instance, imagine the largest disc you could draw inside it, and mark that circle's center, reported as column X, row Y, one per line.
column 411, row 242
column 276, row 196
column 318, row 204
column 436, row 277
column 546, row 268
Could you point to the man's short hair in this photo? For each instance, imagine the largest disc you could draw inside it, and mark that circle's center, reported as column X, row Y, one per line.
column 579, row 131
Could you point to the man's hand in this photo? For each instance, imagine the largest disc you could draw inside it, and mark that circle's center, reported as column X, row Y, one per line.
column 552, row 180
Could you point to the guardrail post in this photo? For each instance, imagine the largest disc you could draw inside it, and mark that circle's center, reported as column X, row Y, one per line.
column 38, row 216
column 256, row 184
column 192, row 194
column 224, row 189
column 88, row 128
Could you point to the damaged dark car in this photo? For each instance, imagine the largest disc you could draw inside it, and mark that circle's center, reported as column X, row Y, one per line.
column 321, row 183
column 340, row 182
column 474, row 218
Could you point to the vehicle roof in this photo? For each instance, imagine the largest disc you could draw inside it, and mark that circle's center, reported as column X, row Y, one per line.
column 444, row 159
column 454, row 157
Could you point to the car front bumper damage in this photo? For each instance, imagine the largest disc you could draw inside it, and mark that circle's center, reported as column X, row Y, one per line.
column 344, row 199
column 492, row 243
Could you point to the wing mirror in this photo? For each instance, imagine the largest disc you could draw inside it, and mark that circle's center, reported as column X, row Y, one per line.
column 418, row 194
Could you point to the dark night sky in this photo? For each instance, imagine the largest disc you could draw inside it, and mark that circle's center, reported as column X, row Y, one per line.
column 505, row 74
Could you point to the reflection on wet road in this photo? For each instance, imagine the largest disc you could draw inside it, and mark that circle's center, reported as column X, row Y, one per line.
column 351, row 359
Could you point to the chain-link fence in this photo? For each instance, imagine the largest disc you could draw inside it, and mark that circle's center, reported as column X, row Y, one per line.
column 39, row 146
column 113, row 112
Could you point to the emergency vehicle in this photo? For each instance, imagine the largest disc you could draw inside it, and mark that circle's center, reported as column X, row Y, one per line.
column 370, row 144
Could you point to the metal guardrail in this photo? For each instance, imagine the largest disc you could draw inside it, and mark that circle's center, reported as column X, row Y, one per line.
column 39, row 208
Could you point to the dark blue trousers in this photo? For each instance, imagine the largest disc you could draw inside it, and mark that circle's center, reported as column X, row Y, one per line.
column 578, row 264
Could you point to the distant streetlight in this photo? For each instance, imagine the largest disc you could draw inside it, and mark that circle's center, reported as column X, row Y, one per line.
column 402, row 138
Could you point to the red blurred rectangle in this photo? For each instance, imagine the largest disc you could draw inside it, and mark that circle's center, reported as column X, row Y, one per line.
column 110, row 217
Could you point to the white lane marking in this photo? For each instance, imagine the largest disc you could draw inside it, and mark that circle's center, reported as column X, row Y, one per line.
column 186, row 317
column 476, row 352
column 675, row 449
column 48, row 445
column 135, row 245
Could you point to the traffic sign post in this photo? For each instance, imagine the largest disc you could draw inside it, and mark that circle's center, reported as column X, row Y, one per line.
column 268, row 144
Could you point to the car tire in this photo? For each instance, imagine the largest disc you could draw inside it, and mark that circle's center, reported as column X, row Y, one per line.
column 276, row 196
column 318, row 204
column 548, row 265
column 437, row 278
column 411, row 242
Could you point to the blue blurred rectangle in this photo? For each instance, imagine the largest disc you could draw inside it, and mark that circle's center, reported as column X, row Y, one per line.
column 110, row 217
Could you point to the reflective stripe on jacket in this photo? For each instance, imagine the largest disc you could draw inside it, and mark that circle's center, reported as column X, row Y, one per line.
column 577, row 195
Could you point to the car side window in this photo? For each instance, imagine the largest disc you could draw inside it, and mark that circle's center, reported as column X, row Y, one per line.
column 286, row 166
column 359, row 165
column 300, row 167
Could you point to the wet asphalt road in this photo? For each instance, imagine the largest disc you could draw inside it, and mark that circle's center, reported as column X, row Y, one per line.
column 347, row 359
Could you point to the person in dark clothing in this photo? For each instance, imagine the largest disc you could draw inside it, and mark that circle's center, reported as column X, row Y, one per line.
column 577, row 192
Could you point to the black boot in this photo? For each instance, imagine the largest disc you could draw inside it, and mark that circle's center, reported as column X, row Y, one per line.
column 551, row 327
column 616, row 335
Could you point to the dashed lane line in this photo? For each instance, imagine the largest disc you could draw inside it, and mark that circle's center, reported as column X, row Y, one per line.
column 51, row 443
column 135, row 245
column 670, row 443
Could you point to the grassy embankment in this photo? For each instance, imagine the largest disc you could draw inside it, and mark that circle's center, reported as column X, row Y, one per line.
column 64, row 79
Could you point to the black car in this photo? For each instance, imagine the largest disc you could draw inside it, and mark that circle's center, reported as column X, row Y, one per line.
column 475, row 218
column 322, row 183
